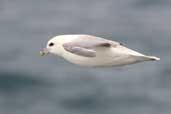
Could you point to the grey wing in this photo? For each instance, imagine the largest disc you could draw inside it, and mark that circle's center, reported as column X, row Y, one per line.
column 94, row 42
column 79, row 50
column 86, row 46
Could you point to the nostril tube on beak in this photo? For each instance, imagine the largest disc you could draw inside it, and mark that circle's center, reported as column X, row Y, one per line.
column 45, row 51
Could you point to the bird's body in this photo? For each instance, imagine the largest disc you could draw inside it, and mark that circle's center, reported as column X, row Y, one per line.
column 87, row 50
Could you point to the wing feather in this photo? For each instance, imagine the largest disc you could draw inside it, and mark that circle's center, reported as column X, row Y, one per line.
column 79, row 50
column 86, row 45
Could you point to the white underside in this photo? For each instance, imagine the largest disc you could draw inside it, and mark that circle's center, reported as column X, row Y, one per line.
column 107, row 57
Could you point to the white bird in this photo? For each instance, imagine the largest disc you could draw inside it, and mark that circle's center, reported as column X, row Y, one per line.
column 92, row 51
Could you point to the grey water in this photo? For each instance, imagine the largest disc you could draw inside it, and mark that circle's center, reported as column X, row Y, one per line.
column 31, row 84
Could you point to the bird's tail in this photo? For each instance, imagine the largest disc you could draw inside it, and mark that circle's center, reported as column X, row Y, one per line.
column 151, row 58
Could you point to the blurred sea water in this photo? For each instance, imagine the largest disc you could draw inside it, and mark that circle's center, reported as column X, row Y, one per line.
column 31, row 84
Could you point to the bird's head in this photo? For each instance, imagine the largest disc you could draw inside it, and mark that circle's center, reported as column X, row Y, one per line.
column 53, row 46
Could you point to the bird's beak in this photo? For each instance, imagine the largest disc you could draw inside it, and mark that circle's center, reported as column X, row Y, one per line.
column 45, row 51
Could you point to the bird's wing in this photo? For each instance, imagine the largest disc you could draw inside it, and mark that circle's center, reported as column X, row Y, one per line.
column 86, row 45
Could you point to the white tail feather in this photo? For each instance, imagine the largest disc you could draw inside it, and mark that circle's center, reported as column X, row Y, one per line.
column 153, row 58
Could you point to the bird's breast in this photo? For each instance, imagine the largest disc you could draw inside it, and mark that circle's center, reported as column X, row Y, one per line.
column 103, row 58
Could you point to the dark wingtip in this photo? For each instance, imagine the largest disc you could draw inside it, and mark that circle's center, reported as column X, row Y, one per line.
column 121, row 43
column 105, row 44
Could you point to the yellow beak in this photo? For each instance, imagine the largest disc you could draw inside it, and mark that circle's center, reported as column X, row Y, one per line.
column 45, row 51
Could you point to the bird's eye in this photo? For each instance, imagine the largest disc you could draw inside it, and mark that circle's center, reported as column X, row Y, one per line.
column 51, row 44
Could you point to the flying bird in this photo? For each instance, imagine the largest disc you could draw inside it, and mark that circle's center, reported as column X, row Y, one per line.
column 92, row 51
